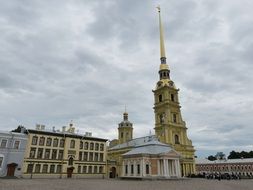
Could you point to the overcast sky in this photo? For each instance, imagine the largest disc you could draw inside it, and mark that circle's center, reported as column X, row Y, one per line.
column 84, row 60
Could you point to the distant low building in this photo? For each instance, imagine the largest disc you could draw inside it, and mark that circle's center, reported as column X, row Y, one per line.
column 62, row 154
column 242, row 167
column 12, row 149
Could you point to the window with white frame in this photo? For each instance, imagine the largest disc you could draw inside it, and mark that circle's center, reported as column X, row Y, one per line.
column 3, row 143
column 16, row 144
column 1, row 161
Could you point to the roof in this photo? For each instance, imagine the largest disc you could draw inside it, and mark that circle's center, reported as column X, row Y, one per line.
column 228, row 161
column 65, row 134
column 133, row 142
column 152, row 147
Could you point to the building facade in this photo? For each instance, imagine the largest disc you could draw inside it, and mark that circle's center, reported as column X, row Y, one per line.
column 151, row 160
column 64, row 154
column 241, row 167
column 12, row 150
column 170, row 128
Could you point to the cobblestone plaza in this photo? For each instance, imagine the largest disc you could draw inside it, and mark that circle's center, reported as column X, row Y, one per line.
column 105, row 184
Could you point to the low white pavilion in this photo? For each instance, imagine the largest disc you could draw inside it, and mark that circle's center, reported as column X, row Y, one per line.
column 151, row 160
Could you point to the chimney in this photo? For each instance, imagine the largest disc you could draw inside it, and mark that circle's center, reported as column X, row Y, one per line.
column 42, row 127
column 37, row 127
column 63, row 128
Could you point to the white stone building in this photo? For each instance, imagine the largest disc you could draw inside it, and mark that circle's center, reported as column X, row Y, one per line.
column 151, row 160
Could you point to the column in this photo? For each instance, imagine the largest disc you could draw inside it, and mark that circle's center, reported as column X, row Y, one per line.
column 143, row 168
column 158, row 167
column 123, row 169
column 164, row 167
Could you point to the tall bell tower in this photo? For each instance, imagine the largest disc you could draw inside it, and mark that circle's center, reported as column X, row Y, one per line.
column 169, row 125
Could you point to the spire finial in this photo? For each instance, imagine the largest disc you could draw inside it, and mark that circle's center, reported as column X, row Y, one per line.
column 162, row 47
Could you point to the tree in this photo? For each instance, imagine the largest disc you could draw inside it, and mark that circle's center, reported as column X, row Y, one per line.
column 211, row 158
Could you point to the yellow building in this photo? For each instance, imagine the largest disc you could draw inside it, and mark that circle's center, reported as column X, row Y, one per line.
column 61, row 154
column 169, row 125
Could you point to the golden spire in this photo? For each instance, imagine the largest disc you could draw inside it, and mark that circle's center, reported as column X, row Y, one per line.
column 162, row 47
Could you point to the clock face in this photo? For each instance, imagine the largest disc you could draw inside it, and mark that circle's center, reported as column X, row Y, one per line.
column 171, row 83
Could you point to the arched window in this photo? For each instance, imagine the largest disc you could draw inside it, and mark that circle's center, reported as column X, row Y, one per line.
column 160, row 98
column 72, row 144
column 172, row 97
column 177, row 139
column 174, row 117
column 71, row 161
column 81, row 144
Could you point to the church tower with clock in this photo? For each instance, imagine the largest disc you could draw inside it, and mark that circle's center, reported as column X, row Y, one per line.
column 170, row 128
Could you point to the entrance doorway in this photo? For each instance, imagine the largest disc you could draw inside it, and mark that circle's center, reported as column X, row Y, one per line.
column 69, row 172
column 113, row 172
column 11, row 169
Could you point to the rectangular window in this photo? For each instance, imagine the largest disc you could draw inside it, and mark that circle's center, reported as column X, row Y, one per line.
column 62, row 143
column 54, row 154
column 40, row 153
column 32, row 152
column 47, row 154
column 52, row 167
column 1, row 161
column 49, row 141
column 3, row 143
column 101, row 158
column 84, row 169
column 37, row 168
column 30, row 168
column 42, row 141
column 86, row 145
column 96, row 156
column 55, row 143
column 126, row 169
column 101, row 147
column 45, row 168
column 16, row 144
column 96, row 146
column 90, row 169
column 85, row 156
column 58, row 169
column 79, row 169
column 60, row 155
column 34, row 140
column 80, row 156
column 91, row 156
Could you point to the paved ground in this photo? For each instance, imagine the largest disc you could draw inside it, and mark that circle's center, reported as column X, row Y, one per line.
column 107, row 184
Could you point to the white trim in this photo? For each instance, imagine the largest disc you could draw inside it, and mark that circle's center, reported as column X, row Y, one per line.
column 6, row 143
column 1, row 156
